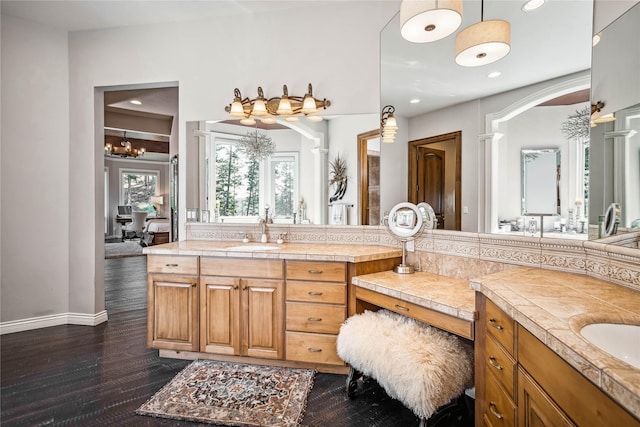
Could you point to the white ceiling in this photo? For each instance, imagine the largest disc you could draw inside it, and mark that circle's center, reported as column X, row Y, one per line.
column 549, row 42
column 552, row 41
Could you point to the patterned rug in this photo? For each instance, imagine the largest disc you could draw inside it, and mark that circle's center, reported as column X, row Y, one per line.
column 234, row 395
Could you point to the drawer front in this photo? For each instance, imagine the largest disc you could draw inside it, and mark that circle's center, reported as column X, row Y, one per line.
column 317, row 270
column 323, row 318
column 502, row 366
column 500, row 325
column 499, row 408
column 172, row 264
column 314, row 348
column 330, row 293
column 243, row 268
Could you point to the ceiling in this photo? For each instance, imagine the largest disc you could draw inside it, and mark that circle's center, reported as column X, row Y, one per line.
column 552, row 41
column 549, row 42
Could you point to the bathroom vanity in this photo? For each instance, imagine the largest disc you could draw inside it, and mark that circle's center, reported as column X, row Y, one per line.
column 274, row 304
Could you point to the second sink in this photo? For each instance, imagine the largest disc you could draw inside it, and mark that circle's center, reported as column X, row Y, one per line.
column 619, row 340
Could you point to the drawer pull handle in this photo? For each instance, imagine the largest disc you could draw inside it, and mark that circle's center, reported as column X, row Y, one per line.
column 495, row 413
column 492, row 362
column 314, row 319
column 314, row 350
column 493, row 323
column 315, row 294
column 399, row 307
column 315, row 271
column 171, row 265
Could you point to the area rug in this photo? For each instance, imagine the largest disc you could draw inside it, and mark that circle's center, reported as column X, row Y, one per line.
column 234, row 394
column 124, row 249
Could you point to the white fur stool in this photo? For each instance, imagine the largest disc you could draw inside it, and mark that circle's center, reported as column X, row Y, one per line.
column 423, row 367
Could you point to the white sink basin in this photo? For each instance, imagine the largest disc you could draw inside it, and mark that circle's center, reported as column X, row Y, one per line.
column 620, row 341
column 251, row 248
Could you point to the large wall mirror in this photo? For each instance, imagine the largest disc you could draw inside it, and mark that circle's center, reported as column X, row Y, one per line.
column 292, row 183
column 500, row 115
column 615, row 141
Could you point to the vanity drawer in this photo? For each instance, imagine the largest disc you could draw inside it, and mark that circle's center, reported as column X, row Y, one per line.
column 172, row 264
column 330, row 293
column 500, row 325
column 325, row 271
column 314, row 348
column 323, row 318
column 244, row 268
column 502, row 365
column 499, row 408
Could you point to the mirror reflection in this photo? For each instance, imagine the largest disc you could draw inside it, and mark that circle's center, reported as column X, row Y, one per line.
column 540, row 181
column 282, row 169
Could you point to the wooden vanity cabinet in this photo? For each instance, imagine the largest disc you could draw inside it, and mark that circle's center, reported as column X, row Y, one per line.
column 316, row 302
column 522, row 382
column 242, row 315
column 173, row 303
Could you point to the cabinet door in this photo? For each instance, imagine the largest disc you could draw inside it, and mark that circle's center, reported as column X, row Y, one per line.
column 220, row 314
column 173, row 312
column 535, row 407
column 262, row 318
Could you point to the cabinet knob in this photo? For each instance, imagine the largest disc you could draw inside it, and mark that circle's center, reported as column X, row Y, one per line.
column 235, row 287
column 493, row 323
column 244, row 288
column 315, row 294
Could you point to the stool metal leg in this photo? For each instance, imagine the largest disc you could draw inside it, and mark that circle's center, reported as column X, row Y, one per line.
column 352, row 381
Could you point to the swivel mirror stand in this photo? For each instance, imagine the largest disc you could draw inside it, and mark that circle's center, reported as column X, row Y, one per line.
column 405, row 221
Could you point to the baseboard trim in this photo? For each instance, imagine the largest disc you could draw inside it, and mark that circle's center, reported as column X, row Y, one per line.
column 83, row 319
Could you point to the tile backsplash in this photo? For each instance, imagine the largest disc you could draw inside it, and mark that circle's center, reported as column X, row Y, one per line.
column 461, row 254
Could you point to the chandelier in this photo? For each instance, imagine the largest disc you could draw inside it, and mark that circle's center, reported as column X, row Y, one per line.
column 124, row 150
column 257, row 145
column 266, row 110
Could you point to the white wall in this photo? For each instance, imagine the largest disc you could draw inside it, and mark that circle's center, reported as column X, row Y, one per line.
column 35, row 171
column 340, row 57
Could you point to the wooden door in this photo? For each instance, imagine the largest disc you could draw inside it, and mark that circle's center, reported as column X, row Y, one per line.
column 173, row 312
column 430, row 188
column 220, row 314
column 369, row 177
column 262, row 318
column 435, row 171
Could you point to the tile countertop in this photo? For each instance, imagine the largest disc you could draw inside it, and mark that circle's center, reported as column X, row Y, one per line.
column 439, row 293
column 554, row 306
column 296, row 251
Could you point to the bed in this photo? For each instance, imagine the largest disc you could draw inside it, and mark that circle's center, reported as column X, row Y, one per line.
column 156, row 231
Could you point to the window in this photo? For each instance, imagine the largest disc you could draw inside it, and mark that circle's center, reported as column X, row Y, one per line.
column 244, row 186
column 283, row 183
column 137, row 187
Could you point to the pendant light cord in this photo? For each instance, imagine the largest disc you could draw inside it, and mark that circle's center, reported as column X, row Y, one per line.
column 482, row 11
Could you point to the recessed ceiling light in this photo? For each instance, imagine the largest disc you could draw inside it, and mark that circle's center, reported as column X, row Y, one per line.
column 494, row 74
column 532, row 5
column 414, row 101
column 135, row 102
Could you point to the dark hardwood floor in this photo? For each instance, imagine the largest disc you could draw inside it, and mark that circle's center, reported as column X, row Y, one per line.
column 98, row 376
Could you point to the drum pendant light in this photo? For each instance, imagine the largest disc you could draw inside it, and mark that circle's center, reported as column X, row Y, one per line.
column 484, row 42
column 423, row 21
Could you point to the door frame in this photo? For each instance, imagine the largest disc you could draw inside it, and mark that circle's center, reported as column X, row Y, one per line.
column 363, row 174
column 413, row 169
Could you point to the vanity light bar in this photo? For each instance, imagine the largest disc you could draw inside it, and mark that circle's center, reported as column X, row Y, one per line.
column 287, row 106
